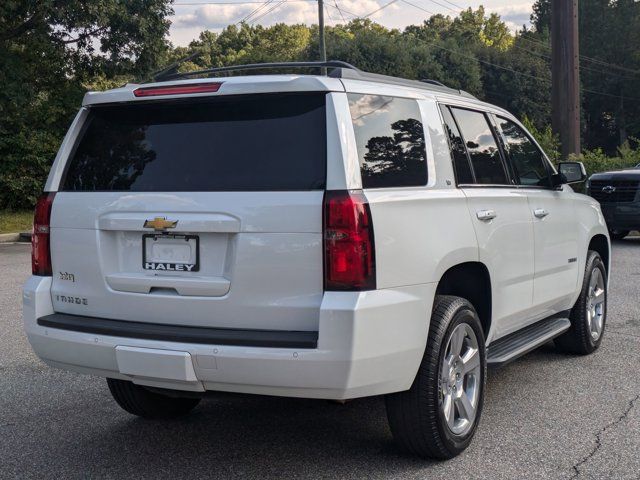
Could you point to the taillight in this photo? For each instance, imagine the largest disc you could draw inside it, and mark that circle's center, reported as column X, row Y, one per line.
column 176, row 89
column 349, row 253
column 40, row 250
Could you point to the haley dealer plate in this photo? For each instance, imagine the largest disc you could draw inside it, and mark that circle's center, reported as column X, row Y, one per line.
column 171, row 253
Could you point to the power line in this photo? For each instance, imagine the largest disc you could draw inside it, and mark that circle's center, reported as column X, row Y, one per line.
column 342, row 10
column 264, row 14
column 418, row 7
column 453, row 4
column 584, row 57
column 329, row 14
column 256, row 10
column 445, row 6
column 582, row 67
column 379, row 9
column 335, row 2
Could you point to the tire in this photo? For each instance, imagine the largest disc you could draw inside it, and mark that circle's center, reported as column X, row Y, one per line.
column 618, row 234
column 416, row 417
column 581, row 337
column 144, row 403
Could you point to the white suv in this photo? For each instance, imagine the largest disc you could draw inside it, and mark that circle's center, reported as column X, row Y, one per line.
column 322, row 236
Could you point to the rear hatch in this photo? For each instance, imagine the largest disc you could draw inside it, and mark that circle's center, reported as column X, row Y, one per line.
column 202, row 212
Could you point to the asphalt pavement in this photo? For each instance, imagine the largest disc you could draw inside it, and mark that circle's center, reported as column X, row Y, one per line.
column 546, row 416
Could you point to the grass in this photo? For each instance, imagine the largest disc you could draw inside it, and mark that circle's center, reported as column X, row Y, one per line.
column 15, row 221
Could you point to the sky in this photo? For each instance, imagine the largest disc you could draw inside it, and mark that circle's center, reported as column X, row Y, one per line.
column 193, row 16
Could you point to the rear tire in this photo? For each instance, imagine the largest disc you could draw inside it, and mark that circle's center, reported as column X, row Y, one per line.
column 144, row 403
column 589, row 314
column 618, row 234
column 448, row 372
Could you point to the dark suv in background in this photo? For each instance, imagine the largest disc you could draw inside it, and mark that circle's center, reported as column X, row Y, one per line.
column 619, row 195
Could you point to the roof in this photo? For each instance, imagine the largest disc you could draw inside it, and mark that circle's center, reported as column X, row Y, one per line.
column 335, row 69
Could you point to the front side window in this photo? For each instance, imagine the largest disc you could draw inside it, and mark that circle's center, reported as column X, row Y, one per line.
column 528, row 161
column 390, row 141
column 481, row 146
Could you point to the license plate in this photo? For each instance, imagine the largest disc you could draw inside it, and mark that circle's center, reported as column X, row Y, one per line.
column 171, row 253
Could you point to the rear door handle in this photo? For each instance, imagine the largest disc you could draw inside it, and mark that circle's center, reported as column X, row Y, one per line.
column 486, row 215
column 540, row 212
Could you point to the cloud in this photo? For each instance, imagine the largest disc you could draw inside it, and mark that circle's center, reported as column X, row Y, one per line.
column 368, row 105
column 219, row 16
column 514, row 15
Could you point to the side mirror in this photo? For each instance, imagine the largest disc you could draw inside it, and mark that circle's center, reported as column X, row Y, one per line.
column 570, row 172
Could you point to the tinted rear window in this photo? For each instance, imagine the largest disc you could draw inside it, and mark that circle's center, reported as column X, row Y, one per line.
column 251, row 143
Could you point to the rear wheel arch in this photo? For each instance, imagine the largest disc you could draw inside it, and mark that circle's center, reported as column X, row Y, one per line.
column 472, row 281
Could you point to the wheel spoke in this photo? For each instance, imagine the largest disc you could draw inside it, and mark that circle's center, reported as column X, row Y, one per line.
column 598, row 296
column 449, row 410
column 457, row 340
column 470, row 361
column 465, row 409
column 460, row 377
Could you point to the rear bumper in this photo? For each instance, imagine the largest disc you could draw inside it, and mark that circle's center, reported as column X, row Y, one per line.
column 368, row 343
column 622, row 216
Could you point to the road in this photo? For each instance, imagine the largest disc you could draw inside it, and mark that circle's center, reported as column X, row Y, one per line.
column 546, row 416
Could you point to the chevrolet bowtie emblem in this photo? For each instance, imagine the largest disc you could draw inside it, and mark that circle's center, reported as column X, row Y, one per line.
column 160, row 223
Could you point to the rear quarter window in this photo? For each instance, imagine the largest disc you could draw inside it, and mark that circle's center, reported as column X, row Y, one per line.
column 390, row 141
column 227, row 143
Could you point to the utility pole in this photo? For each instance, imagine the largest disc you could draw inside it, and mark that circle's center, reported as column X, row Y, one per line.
column 323, row 48
column 565, row 75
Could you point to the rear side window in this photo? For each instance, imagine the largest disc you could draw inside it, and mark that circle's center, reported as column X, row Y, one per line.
column 460, row 159
column 481, row 146
column 232, row 143
column 526, row 158
column 390, row 141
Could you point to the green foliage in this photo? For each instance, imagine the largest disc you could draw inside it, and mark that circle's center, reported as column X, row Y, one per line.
column 13, row 222
column 597, row 161
column 51, row 52
column 609, row 35
column 545, row 138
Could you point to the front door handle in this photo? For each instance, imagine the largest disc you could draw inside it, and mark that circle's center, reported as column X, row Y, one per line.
column 486, row 215
column 540, row 212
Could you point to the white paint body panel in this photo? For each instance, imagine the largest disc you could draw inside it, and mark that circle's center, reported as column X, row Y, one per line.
column 369, row 343
column 506, row 248
column 264, row 265
column 557, row 249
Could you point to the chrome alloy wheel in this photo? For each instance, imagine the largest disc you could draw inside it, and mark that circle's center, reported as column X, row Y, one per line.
column 460, row 380
column 596, row 298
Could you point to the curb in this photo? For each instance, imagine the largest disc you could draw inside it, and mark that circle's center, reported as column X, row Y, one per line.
column 15, row 237
column 9, row 237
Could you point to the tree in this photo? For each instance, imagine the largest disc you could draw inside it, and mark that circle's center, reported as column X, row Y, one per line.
column 609, row 35
column 50, row 51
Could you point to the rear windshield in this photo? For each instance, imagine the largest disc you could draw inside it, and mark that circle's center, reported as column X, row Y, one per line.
column 251, row 143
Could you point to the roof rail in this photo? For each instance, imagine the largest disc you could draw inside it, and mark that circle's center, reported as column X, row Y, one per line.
column 338, row 69
column 431, row 85
column 432, row 82
column 258, row 66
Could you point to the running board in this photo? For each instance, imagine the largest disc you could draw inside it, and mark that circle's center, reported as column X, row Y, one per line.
column 507, row 349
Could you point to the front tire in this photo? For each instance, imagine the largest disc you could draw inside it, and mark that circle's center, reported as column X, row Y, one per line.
column 144, row 403
column 589, row 314
column 438, row 416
